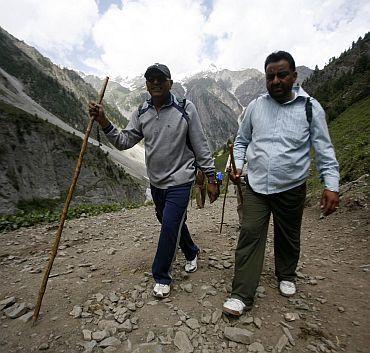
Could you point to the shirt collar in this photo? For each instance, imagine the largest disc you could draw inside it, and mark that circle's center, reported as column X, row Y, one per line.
column 300, row 92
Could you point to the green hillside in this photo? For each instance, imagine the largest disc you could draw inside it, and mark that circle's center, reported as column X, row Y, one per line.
column 350, row 134
column 61, row 91
column 344, row 81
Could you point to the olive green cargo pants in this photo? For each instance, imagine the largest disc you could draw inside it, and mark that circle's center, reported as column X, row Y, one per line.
column 287, row 209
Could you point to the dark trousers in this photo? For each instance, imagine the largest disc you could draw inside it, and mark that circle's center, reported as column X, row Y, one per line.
column 170, row 207
column 287, row 209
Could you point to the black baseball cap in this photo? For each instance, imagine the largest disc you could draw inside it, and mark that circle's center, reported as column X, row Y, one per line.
column 158, row 67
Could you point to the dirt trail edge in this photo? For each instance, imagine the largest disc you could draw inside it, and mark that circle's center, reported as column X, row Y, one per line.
column 99, row 294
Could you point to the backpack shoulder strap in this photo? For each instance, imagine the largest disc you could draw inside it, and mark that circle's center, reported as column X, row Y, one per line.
column 180, row 106
column 308, row 108
column 142, row 110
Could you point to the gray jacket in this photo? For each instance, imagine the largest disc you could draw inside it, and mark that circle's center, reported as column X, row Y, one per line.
column 168, row 156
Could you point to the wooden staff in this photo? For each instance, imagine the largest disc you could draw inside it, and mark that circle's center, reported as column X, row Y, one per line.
column 65, row 209
column 232, row 162
column 226, row 188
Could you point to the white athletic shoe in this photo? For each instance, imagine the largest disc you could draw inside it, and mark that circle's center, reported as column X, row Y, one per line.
column 161, row 290
column 234, row 307
column 287, row 288
column 191, row 266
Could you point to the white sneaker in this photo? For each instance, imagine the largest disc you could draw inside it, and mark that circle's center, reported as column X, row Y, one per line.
column 161, row 290
column 287, row 288
column 234, row 307
column 191, row 266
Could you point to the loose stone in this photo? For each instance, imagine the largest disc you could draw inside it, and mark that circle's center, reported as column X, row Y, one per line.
column 107, row 324
column 150, row 336
column 121, row 315
column 216, row 316
column 283, row 341
column 44, row 346
column 76, row 311
column 89, row 346
column 289, row 336
column 256, row 347
column 291, row 316
column 110, row 349
column 99, row 335
column 182, row 342
column 16, row 310
column 258, row 322
column 87, row 335
column 131, row 306
column 113, row 297
column 7, row 302
column 193, row 323
column 110, row 341
column 188, row 287
column 206, row 318
column 26, row 317
column 238, row 335
column 99, row 297
column 126, row 326
column 246, row 320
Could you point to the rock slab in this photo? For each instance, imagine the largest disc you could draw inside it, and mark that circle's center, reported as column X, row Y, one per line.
column 238, row 335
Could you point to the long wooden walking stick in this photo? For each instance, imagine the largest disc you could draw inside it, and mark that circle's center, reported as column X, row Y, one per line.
column 232, row 161
column 223, row 204
column 65, row 209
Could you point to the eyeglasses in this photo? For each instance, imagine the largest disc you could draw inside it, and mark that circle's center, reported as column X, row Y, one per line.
column 159, row 79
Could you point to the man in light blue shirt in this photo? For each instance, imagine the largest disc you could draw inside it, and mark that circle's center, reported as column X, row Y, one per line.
column 275, row 138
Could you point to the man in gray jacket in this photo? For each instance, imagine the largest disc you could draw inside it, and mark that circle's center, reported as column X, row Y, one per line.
column 174, row 141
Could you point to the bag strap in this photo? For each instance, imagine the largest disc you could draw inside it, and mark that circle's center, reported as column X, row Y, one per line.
column 308, row 108
column 181, row 108
column 142, row 110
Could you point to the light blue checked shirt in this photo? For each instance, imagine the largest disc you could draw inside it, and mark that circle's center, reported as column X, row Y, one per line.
column 275, row 140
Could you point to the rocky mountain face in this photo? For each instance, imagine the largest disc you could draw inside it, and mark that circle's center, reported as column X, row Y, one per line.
column 61, row 91
column 230, row 80
column 219, row 120
column 37, row 160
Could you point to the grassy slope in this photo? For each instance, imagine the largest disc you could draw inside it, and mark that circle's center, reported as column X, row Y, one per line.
column 350, row 134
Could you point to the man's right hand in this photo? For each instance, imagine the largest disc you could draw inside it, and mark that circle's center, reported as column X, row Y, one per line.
column 235, row 178
column 97, row 112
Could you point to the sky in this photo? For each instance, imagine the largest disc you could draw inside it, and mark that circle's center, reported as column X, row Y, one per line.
column 123, row 37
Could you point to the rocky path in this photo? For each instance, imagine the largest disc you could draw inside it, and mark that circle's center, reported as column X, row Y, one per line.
column 99, row 295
